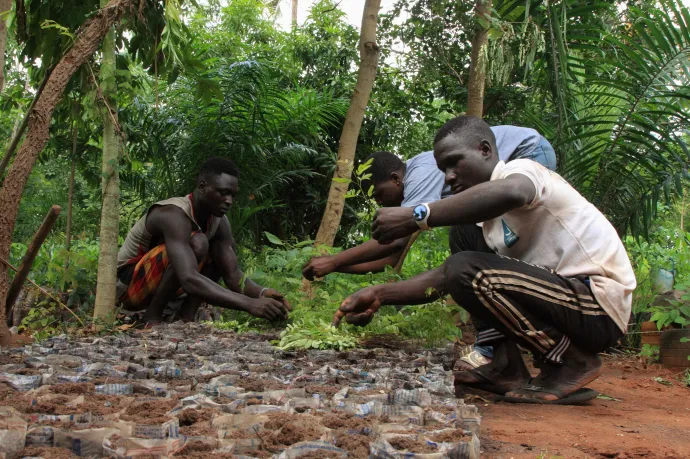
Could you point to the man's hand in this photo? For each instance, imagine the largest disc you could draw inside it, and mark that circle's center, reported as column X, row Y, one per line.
column 276, row 295
column 318, row 267
column 267, row 308
column 391, row 223
column 359, row 308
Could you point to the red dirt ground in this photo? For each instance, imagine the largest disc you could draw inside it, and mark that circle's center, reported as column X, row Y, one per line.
column 651, row 420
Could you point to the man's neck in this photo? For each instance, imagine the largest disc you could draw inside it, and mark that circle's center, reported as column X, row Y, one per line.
column 200, row 214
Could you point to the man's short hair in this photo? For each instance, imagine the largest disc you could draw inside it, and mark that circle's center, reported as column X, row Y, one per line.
column 382, row 165
column 470, row 128
column 218, row 166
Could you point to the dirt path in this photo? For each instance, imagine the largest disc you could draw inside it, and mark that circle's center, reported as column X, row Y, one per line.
column 650, row 420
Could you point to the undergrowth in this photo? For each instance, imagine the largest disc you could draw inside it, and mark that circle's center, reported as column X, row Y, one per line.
column 312, row 311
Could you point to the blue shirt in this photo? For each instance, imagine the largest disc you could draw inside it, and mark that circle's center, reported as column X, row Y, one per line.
column 424, row 182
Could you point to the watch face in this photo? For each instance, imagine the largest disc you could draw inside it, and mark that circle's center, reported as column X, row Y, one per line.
column 419, row 213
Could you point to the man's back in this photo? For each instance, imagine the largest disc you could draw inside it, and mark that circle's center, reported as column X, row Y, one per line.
column 425, row 183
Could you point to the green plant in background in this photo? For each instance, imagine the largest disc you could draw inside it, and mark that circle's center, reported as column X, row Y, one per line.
column 43, row 321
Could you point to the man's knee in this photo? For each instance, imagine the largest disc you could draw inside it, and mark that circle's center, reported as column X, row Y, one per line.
column 461, row 269
column 199, row 245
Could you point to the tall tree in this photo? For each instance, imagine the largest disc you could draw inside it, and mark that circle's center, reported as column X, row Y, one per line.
column 85, row 44
column 369, row 59
column 476, row 83
column 5, row 6
column 110, row 186
column 294, row 14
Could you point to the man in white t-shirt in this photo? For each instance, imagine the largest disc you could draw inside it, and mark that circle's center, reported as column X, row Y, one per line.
column 556, row 280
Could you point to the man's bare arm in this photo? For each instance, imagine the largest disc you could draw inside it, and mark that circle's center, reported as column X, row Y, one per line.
column 224, row 255
column 347, row 260
column 176, row 229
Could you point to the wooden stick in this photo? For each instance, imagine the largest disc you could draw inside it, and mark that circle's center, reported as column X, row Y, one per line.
column 44, row 291
column 30, row 256
column 399, row 264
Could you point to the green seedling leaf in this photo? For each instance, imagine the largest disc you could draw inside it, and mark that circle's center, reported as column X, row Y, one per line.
column 684, row 339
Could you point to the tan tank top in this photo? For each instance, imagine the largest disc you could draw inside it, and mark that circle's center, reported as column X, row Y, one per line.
column 138, row 240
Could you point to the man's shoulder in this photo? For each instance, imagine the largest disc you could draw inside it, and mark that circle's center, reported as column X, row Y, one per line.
column 163, row 214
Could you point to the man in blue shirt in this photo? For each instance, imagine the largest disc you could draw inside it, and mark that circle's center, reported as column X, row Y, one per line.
column 418, row 181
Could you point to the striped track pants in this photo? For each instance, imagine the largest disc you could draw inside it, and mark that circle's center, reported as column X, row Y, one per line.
column 532, row 305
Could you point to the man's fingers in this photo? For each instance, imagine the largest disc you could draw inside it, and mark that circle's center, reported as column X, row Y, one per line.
column 359, row 319
column 286, row 303
column 337, row 317
column 347, row 305
column 308, row 272
column 281, row 310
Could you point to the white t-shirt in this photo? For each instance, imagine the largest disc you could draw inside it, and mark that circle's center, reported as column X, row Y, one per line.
column 563, row 231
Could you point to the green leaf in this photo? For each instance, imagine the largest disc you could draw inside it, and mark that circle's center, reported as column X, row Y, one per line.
column 273, row 238
column 685, row 339
column 341, row 180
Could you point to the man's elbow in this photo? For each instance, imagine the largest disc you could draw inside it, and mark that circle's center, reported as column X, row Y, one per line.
column 190, row 283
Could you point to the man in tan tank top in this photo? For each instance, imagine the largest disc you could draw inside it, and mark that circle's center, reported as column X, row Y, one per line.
column 185, row 244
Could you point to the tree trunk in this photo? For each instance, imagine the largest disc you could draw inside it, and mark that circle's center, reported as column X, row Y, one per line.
column 110, row 211
column 5, row 5
column 294, row 14
column 475, row 85
column 70, row 195
column 369, row 58
column 86, row 43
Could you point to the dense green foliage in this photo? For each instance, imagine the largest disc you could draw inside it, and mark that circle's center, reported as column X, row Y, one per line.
column 606, row 82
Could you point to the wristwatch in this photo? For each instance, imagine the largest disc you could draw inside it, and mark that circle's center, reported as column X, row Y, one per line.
column 421, row 215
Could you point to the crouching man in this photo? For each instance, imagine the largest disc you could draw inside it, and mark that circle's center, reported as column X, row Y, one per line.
column 555, row 277
column 185, row 245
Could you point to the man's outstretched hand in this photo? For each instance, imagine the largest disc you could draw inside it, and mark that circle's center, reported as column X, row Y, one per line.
column 271, row 306
column 391, row 223
column 276, row 295
column 318, row 267
column 359, row 308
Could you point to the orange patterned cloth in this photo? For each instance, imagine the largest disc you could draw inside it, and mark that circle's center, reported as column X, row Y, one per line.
column 146, row 277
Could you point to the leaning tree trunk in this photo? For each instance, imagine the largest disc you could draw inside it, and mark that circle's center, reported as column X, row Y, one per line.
column 369, row 59
column 5, row 5
column 478, row 61
column 110, row 210
column 86, row 43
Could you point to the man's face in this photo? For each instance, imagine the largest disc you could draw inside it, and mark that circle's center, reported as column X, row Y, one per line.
column 218, row 193
column 389, row 193
column 464, row 164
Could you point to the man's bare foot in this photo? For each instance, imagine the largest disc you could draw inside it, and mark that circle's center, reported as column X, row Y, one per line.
column 506, row 372
column 555, row 382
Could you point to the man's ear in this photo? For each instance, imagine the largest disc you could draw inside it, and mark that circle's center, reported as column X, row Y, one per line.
column 396, row 178
column 486, row 149
column 201, row 185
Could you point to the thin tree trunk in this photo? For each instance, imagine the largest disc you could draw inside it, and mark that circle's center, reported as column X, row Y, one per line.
column 110, row 211
column 294, row 14
column 369, row 58
column 5, row 5
column 475, row 85
column 70, row 195
column 86, row 43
